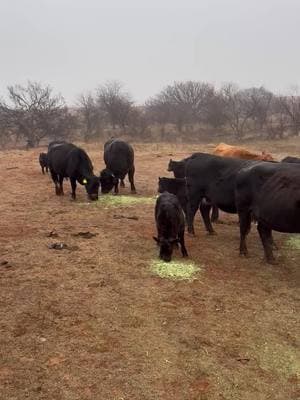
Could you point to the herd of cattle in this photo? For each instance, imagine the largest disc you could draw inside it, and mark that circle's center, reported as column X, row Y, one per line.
column 234, row 180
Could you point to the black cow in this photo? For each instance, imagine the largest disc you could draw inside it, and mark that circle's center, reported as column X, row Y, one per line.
column 178, row 168
column 119, row 161
column 170, row 225
column 68, row 160
column 43, row 160
column 271, row 194
column 212, row 179
column 55, row 143
column 291, row 160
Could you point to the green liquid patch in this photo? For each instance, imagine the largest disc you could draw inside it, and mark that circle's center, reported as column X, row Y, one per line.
column 175, row 270
column 294, row 242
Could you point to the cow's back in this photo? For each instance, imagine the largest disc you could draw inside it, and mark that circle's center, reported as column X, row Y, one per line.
column 66, row 160
column 118, row 156
column 278, row 202
column 289, row 159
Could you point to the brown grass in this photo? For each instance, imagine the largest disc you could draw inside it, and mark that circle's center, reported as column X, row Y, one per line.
column 93, row 322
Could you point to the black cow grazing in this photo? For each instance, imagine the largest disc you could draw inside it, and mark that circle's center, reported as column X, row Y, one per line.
column 119, row 161
column 291, row 160
column 69, row 161
column 271, row 194
column 178, row 168
column 43, row 160
column 170, row 226
column 212, row 179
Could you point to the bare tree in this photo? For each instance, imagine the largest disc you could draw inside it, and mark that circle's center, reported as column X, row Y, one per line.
column 290, row 106
column 33, row 112
column 139, row 122
column 183, row 103
column 115, row 103
column 90, row 115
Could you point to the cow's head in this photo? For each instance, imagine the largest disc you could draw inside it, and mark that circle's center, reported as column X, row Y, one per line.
column 166, row 247
column 92, row 184
column 107, row 180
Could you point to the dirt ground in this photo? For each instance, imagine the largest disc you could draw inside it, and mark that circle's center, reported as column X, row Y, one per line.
column 92, row 321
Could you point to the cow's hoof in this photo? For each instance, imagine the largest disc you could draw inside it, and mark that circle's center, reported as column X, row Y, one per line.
column 211, row 233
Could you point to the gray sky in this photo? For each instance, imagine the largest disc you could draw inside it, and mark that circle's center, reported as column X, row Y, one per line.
column 75, row 45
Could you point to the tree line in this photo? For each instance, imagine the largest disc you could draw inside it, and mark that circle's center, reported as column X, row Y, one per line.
column 184, row 110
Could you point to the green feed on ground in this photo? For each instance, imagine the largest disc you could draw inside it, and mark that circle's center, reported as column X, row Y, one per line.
column 175, row 270
column 110, row 200
column 294, row 242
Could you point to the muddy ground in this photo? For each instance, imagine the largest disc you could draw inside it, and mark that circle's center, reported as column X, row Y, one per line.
column 92, row 322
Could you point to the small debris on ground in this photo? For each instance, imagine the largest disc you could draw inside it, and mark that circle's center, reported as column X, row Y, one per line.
column 85, row 235
column 61, row 246
column 52, row 234
column 243, row 360
column 135, row 218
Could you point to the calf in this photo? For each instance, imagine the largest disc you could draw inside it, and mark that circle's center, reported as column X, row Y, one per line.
column 70, row 161
column 170, row 226
column 176, row 186
column 271, row 194
column 119, row 161
column 43, row 160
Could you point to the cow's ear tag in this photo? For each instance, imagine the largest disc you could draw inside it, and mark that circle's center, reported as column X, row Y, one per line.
column 84, row 181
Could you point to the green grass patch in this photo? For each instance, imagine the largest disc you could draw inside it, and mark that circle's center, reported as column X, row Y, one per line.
column 185, row 270
column 110, row 200
column 294, row 242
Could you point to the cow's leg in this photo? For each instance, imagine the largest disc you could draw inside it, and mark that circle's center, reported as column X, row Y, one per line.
column 192, row 207
column 183, row 248
column 274, row 245
column 131, row 179
column 54, row 177
column 43, row 171
column 73, row 186
column 205, row 209
column 245, row 226
column 60, row 180
column 122, row 184
column 116, row 190
column 214, row 214
column 266, row 238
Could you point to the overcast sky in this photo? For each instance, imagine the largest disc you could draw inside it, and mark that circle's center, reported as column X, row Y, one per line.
column 75, row 45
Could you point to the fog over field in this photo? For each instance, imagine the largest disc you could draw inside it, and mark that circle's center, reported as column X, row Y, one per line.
column 75, row 45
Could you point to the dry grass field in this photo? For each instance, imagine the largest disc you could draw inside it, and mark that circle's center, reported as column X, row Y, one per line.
column 91, row 321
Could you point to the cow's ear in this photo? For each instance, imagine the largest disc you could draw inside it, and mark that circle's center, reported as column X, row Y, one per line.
column 155, row 238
